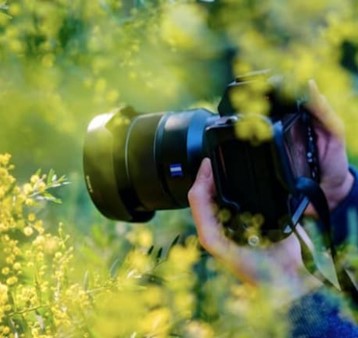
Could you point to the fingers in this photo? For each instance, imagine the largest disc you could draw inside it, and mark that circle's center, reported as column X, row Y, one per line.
column 210, row 231
column 203, row 208
column 323, row 112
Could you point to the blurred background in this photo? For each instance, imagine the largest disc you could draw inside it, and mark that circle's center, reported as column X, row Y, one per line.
column 66, row 271
column 63, row 62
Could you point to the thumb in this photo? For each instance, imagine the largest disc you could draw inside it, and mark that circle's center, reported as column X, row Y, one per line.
column 205, row 171
column 203, row 188
column 323, row 112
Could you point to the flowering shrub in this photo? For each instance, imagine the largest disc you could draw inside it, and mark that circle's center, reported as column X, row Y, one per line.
column 43, row 292
column 64, row 61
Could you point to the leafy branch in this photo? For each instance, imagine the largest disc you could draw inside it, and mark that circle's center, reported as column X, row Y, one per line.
column 42, row 183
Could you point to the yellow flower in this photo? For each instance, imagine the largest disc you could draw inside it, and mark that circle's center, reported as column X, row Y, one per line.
column 51, row 245
column 11, row 280
column 196, row 329
column 5, row 271
column 157, row 323
column 183, row 26
column 141, row 236
column 27, row 188
column 254, row 127
column 3, row 227
column 4, row 159
column 6, row 330
column 184, row 303
column 28, row 231
column 10, row 259
column 17, row 266
column 31, row 217
column 34, row 179
column 39, row 241
column 41, row 186
column 3, row 294
column 184, row 257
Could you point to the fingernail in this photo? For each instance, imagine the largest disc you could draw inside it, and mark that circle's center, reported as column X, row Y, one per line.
column 205, row 168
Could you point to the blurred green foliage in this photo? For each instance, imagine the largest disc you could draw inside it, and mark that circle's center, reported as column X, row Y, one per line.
column 62, row 62
column 52, row 285
column 65, row 61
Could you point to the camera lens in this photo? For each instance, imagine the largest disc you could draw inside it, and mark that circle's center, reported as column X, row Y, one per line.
column 137, row 164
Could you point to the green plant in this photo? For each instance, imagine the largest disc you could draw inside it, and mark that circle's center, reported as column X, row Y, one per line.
column 46, row 291
column 63, row 62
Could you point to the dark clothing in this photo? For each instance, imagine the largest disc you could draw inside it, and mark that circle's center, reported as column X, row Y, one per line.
column 344, row 217
column 322, row 314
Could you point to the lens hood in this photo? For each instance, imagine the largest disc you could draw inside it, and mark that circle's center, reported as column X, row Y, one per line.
column 105, row 138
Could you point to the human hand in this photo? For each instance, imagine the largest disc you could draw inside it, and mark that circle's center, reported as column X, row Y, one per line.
column 279, row 264
column 336, row 179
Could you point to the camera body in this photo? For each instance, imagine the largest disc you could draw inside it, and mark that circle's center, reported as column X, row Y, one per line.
column 256, row 183
column 135, row 164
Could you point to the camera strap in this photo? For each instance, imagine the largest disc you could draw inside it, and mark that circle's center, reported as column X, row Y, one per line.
column 311, row 189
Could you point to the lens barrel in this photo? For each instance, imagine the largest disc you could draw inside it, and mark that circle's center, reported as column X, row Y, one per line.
column 138, row 164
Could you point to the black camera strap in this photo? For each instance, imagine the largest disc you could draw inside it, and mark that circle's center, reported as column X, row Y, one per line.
column 314, row 193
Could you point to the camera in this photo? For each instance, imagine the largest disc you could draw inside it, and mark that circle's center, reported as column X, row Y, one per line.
column 135, row 164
